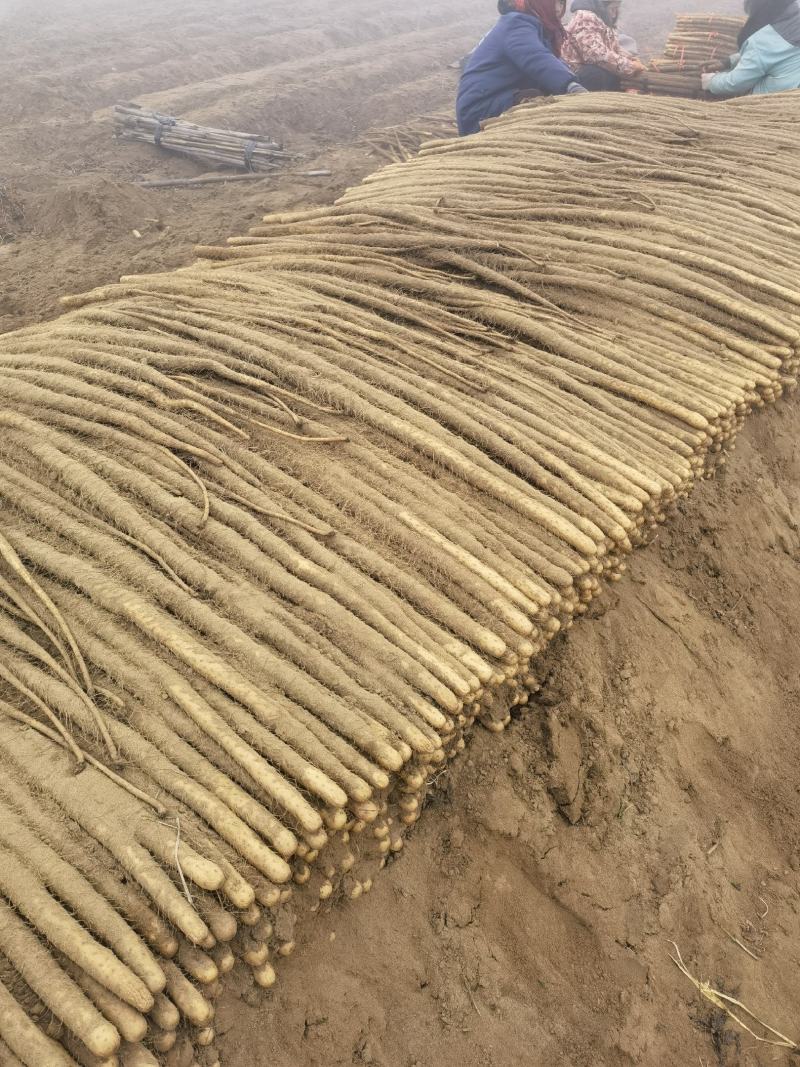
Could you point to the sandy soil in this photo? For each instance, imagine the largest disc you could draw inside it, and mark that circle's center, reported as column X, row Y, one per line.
column 650, row 793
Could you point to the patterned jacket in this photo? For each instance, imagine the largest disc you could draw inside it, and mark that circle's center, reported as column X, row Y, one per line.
column 590, row 41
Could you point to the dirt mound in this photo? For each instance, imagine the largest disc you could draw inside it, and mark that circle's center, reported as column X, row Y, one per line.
column 89, row 208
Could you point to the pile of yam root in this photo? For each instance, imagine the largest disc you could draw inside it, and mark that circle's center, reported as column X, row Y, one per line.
column 697, row 44
column 279, row 527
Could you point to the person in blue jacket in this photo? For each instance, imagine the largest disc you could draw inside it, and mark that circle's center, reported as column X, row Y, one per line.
column 768, row 60
column 518, row 58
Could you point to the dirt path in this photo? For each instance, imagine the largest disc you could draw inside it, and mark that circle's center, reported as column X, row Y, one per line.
column 651, row 794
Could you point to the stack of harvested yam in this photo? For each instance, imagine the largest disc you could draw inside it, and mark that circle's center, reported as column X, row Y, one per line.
column 279, row 527
column 398, row 143
column 698, row 43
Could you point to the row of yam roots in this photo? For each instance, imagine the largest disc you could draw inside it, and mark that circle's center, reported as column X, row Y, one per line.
column 697, row 44
column 277, row 529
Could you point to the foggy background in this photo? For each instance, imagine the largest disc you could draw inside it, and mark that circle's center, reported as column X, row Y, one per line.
column 649, row 20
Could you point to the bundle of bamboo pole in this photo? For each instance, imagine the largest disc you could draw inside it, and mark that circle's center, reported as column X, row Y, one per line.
column 218, row 148
column 698, row 43
column 703, row 38
column 279, row 528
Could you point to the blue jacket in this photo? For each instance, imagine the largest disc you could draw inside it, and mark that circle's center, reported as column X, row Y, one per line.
column 766, row 64
column 514, row 55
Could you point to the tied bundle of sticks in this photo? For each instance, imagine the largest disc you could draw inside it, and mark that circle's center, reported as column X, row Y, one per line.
column 280, row 527
column 697, row 44
column 218, row 148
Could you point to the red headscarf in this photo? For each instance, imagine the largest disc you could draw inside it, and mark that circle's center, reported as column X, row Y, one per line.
column 545, row 12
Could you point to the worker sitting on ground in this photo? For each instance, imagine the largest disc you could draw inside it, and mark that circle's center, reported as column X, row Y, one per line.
column 768, row 60
column 592, row 46
column 519, row 58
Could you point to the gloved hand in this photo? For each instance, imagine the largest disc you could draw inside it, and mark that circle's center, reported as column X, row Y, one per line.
column 576, row 87
column 705, row 81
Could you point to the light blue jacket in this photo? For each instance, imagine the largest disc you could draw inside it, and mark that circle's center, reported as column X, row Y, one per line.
column 766, row 64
